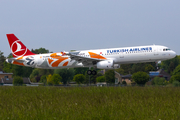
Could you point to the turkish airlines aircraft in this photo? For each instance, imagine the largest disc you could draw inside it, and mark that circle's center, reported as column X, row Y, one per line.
column 110, row 58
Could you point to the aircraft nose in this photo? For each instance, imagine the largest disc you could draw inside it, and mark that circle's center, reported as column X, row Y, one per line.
column 173, row 54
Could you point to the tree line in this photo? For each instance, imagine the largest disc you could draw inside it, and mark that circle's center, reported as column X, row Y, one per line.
column 47, row 76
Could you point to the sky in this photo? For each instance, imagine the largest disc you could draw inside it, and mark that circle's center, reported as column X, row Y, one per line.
column 64, row 25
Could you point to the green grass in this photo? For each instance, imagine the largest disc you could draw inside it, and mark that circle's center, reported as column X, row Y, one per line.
column 126, row 103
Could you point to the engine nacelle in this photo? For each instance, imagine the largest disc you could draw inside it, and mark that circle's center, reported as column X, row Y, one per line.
column 107, row 64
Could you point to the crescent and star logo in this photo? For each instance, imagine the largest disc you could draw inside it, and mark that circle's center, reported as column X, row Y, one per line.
column 18, row 49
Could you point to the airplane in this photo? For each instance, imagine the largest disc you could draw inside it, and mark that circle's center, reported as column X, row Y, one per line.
column 110, row 58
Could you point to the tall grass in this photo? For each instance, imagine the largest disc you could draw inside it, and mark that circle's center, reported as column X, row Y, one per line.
column 126, row 103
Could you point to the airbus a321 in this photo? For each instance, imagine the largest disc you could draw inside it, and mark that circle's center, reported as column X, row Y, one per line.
column 110, row 58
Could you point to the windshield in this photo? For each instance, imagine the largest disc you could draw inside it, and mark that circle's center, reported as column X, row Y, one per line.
column 166, row 49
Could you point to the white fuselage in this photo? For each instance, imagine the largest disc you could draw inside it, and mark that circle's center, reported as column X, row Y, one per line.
column 124, row 55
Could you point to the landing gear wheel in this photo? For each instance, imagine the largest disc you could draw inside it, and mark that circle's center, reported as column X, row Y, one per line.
column 89, row 72
column 94, row 72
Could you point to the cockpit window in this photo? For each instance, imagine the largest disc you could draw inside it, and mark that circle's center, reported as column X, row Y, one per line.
column 166, row 49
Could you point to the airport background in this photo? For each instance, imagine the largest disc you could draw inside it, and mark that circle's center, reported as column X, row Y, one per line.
column 169, row 70
column 80, row 25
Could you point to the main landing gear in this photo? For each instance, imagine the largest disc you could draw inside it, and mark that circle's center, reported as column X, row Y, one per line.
column 91, row 72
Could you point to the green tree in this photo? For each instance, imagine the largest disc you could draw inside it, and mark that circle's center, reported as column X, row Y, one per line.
column 176, row 70
column 37, row 73
column 145, row 67
column 99, row 74
column 100, row 79
column 158, row 81
column 79, row 78
column 127, row 68
column 18, row 70
column 43, row 79
column 40, row 50
column 21, row 71
column 149, row 67
column 120, row 71
column 140, row 78
column 110, row 76
column 17, row 80
column 26, row 71
column 49, row 80
column 133, row 68
column 137, row 67
column 56, row 78
column 176, row 83
column 2, row 59
column 178, row 56
column 175, row 78
column 80, row 70
column 45, row 71
column 34, row 74
column 8, row 68
column 66, row 74
column 170, row 65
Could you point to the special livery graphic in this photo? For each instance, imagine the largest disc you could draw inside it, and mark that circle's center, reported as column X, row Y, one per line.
column 30, row 61
column 99, row 58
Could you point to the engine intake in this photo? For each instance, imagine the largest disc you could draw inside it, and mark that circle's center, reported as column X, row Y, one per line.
column 107, row 64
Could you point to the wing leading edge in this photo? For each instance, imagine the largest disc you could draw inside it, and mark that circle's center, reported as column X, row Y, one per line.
column 86, row 61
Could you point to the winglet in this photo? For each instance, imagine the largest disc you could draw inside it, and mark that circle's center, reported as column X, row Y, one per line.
column 17, row 47
column 63, row 53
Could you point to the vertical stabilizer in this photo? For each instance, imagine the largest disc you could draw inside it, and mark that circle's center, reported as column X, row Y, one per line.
column 17, row 47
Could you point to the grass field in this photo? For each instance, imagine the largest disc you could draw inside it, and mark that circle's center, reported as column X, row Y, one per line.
column 125, row 103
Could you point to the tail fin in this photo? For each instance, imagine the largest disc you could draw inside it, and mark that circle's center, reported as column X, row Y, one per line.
column 17, row 47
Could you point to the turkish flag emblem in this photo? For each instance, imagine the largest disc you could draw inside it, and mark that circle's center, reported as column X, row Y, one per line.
column 18, row 49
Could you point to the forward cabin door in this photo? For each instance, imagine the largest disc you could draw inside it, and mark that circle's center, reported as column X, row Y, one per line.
column 156, row 54
column 155, row 51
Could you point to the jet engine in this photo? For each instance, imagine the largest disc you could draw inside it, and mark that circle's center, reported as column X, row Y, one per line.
column 107, row 64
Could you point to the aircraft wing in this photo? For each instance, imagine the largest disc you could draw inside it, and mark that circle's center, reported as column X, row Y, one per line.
column 83, row 59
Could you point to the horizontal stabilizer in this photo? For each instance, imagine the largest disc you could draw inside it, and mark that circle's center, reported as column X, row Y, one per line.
column 9, row 60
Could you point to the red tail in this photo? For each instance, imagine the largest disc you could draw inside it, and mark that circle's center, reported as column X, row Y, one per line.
column 17, row 47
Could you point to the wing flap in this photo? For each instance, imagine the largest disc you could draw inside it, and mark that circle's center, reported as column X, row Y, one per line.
column 83, row 59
